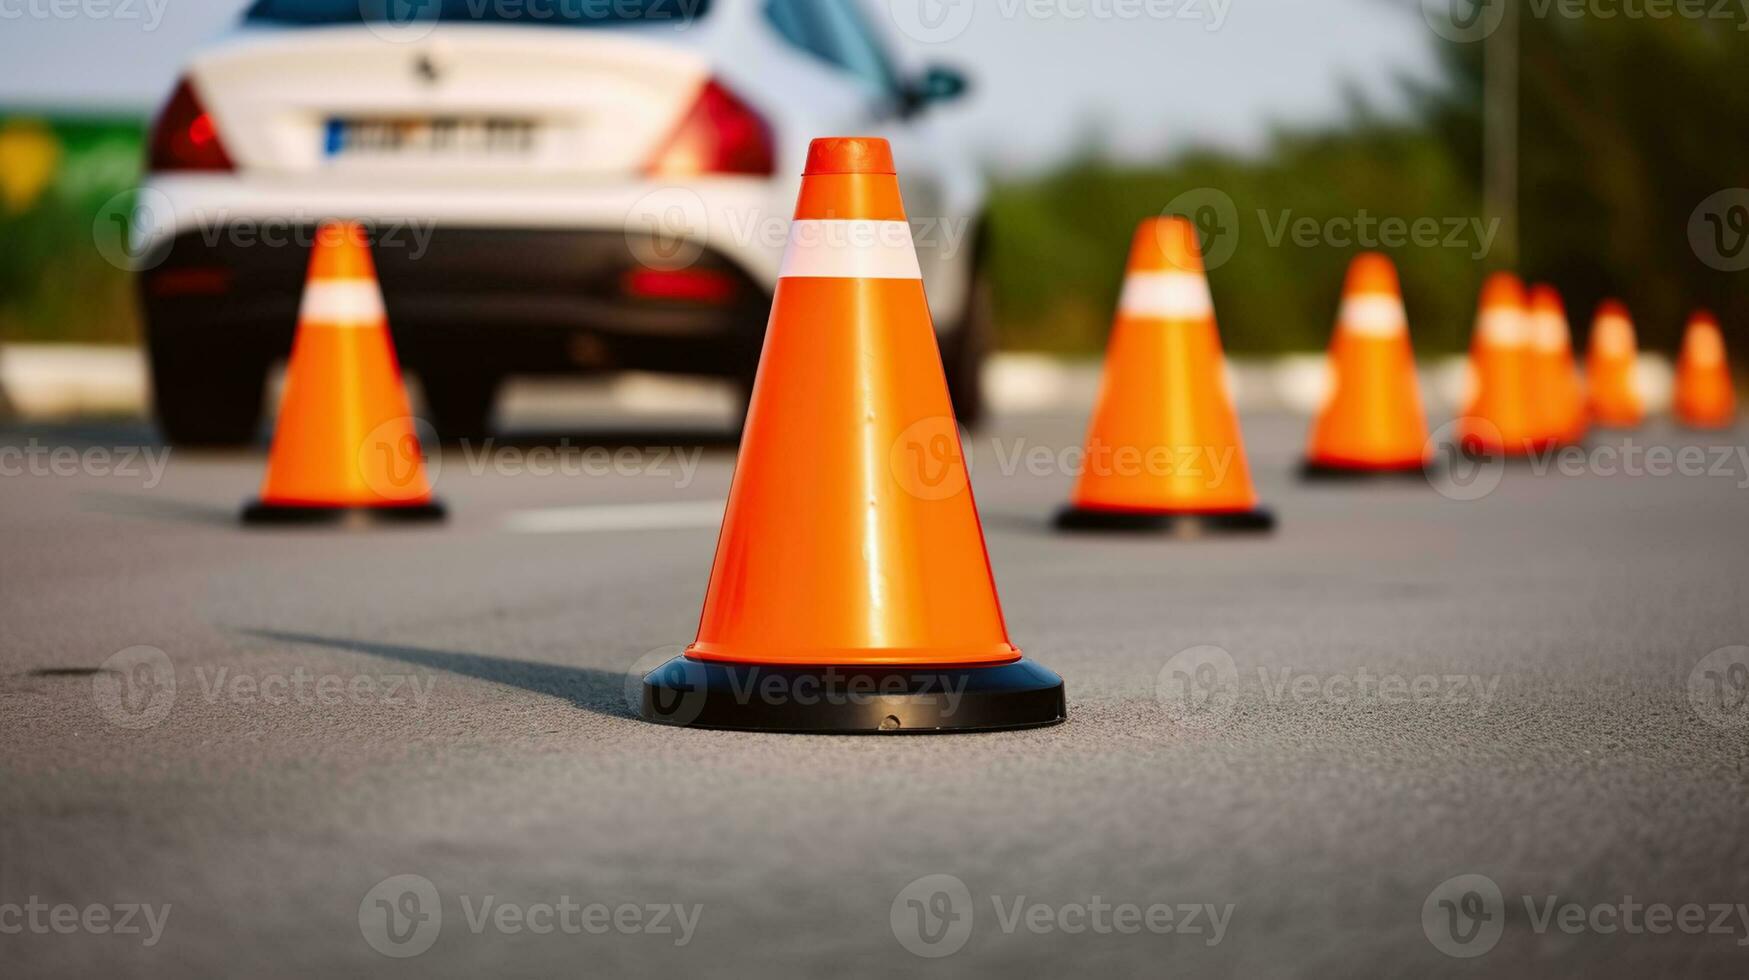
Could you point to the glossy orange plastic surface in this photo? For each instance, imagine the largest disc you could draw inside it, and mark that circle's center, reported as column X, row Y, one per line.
column 345, row 434
column 1610, row 361
column 1373, row 418
column 1498, row 416
column 851, row 536
column 1558, row 409
column 1705, row 396
column 1164, row 437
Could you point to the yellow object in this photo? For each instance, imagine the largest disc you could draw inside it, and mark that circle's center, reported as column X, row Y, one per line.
column 29, row 156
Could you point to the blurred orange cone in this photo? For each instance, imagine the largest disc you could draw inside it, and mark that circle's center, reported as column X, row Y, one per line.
column 1610, row 363
column 344, row 445
column 1372, row 424
column 1497, row 418
column 1705, row 398
column 1164, row 450
column 1556, row 396
column 851, row 556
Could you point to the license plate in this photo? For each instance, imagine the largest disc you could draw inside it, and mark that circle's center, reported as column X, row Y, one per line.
column 439, row 136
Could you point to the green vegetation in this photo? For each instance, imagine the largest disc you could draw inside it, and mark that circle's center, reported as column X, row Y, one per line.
column 54, row 283
column 1626, row 127
column 1059, row 244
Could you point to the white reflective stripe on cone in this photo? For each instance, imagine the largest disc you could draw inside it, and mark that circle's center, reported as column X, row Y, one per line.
column 1166, row 295
column 1373, row 316
column 1548, row 332
column 831, row 249
column 1502, row 328
column 351, row 302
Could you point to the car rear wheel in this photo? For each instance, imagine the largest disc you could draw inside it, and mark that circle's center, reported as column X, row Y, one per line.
column 963, row 354
column 461, row 402
column 206, row 393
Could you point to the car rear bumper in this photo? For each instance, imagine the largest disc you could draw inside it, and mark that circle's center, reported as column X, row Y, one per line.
column 521, row 300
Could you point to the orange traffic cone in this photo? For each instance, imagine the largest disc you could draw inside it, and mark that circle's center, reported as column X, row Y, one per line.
column 851, row 590
column 1705, row 398
column 1556, row 396
column 1610, row 363
column 1497, row 418
column 1164, row 450
column 344, row 445
column 1372, row 423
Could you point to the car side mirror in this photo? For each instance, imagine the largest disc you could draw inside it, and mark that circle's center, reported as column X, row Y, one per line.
column 936, row 84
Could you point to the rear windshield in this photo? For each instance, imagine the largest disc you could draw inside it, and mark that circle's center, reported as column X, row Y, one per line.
column 564, row 13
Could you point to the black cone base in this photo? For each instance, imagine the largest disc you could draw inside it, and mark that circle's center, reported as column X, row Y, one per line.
column 852, row 700
column 1329, row 473
column 265, row 514
column 1187, row 524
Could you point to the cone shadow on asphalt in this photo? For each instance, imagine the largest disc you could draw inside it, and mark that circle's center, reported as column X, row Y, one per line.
column 599, row 691
column 159, row 508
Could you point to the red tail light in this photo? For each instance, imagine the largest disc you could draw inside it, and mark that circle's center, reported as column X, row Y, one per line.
column 682, row 285
column 720, row 135
column 185, row 137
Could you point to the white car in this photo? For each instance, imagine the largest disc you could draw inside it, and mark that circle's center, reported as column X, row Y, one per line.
column 552, row 186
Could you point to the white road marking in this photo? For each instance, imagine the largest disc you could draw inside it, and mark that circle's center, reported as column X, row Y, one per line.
column 617, row 517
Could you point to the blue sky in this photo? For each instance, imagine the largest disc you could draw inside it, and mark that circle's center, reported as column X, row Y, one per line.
column 1148, row 75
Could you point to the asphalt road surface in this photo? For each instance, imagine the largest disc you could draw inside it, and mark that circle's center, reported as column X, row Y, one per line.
column 410, row 753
